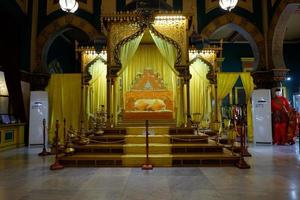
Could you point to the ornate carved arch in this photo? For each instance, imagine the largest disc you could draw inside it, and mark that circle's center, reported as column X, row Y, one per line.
column 210, row 66
column 246, row 28
column 138, row 33
column 46, row 37
column 277, row 31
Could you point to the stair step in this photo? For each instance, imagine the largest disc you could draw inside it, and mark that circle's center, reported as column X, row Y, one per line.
column 141, row 139
column 100, row 148
column 181, row 131
column 151, row 130
column 189, row 139
column 92, row 160
column 119, row 131
column 208, row 159
column 141, row 148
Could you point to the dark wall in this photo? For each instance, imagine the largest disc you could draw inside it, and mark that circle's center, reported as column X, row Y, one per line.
column 292, row 61
column 10, row 51
column 15, row 34
column 63, row 52
column 233, row 52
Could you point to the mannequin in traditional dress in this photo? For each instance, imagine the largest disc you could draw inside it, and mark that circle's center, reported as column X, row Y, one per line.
column 293, row 130
column 280, row 112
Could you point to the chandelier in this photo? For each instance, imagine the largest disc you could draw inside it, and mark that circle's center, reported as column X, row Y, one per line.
column 228, row 4
column 69, row 6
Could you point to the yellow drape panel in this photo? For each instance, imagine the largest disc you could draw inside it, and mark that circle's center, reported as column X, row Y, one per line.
column 64, row 102
column 248, row 84
column 147, row 57
column 128, row 50
column 225, row 83
column 167, row 50
column 97, row 87
column 200, row 100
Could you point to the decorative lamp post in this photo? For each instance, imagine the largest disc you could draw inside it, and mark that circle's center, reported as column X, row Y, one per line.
column 69, row 6
column 228, row 4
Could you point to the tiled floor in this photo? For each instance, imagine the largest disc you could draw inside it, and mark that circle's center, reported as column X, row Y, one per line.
column 274, row 174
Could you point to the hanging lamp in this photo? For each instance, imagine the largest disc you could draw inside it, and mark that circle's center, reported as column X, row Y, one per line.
column 69, row 6
column 228, row 4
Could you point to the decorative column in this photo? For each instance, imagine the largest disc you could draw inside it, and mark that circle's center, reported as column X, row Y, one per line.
column 111, row 94
column 84, row 97
column 34, row 25
column 109, row 99
column 187, row 79
column 265, row 20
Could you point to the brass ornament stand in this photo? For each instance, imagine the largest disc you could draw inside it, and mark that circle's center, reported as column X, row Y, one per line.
column 56, row 165
column 100, row 121
column 44, row 152
column 147, row 165
column 242, row 164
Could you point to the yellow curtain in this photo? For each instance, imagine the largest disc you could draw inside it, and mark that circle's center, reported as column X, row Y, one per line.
column 200, row 100
column 147, row 57
column 128, row 50
column 97, row 87
column 248, row 84
column 64, row 102
column 167, row 50
column 225, row 83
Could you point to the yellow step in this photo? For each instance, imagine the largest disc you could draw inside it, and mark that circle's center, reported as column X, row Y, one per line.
column 137, row 160
column 141, row 148
column 152, row 130
column 141, row 139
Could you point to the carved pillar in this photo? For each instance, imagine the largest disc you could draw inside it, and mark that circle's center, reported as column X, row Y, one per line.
column 185, row 76
column 187, row 79
column 111, row 93
column 108, row 101
column 182, row 103
column 265, row 21
column 86, row 77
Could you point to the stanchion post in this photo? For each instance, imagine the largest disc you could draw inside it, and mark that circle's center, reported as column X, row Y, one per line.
column 147, row 165
column 245, row 151
column 56, row 164
column 242, row 163
column 64, row 131
column 44, row 152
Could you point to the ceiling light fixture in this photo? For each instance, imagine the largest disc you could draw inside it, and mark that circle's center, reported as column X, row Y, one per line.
column 69, row 6
column 228, row 4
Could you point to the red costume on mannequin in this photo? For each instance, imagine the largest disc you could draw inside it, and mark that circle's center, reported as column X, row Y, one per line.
column 280, row 110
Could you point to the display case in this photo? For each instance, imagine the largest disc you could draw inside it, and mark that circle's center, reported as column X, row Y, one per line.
column 11, row 136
